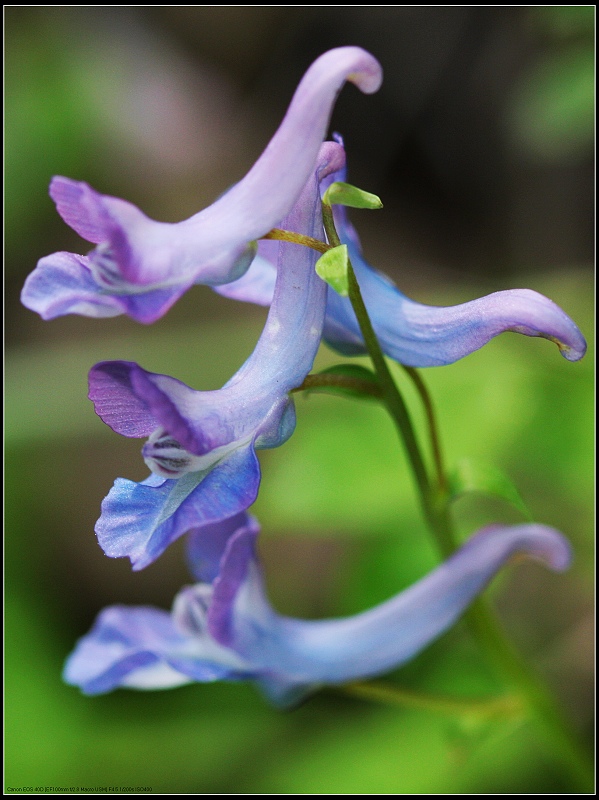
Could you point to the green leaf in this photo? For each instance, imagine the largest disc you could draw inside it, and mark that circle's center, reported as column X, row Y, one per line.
column 332, row 267
column 344, row 194
column 350, row 380
column 471, row 476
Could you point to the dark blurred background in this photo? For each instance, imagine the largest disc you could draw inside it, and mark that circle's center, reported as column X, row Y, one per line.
column 480, row 144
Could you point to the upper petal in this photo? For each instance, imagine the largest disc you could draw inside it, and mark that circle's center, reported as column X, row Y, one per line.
column 254, row 404
column 115, row 401
column 136, row 255
column 271, row 187
column 425, row 336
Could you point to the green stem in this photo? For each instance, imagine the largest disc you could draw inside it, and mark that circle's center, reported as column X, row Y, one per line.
column 339, row 381
column 429, row 410
column 297, row 238
column 435, row 500
column 393, row 399
column 542, row 706
column 379, row 691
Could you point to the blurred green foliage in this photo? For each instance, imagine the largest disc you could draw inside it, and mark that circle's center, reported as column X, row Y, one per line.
column 552, row 113
column 342, row 475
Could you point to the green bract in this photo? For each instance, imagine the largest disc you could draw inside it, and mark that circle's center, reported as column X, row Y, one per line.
column 344, row 194
column 332, row 267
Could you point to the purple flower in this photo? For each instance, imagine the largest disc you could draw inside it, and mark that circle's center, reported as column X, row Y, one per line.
column 414, row 334
column 201, row 445
column 141, row 267
column 225, row 628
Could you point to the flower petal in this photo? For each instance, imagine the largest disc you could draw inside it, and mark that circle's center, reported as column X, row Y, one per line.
column 143, row 648
column 115, row 401
column 229, row 630
column 140, row 520
column 426, row 336
column 258, row 284
column 310, row 653
column 206, row 546
column 136, row 255
column 62, row 283
column 123, row 642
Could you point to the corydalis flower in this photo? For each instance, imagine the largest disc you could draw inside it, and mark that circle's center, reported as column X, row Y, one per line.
column 414, row 334
column 140, row 267
column 225, row 628
column 201, row 446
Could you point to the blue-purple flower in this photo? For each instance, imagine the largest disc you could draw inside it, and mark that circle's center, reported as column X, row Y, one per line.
column 224, row 628
column 201, row 445
column 141, row 267
column 414, row 334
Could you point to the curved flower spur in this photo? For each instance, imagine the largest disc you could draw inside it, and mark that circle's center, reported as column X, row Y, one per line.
column 225, row 628
column 201, row 446
column 141, row 267
column 411, row 333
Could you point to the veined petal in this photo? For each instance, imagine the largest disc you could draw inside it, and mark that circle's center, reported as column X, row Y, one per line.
column 136, row 255
column 140, row 520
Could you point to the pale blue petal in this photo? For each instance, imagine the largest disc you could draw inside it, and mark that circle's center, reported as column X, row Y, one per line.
column 206, row 546
column 418, row 335
column 257, row 286
column 123, row 642
column 301, row 653
column 140, row 520
column 229, row 631
column 143, row 648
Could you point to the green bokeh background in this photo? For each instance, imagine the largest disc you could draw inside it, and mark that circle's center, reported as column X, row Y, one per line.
column 110, row 95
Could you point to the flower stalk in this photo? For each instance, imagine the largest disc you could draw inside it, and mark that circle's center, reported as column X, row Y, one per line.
column 435, row 499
